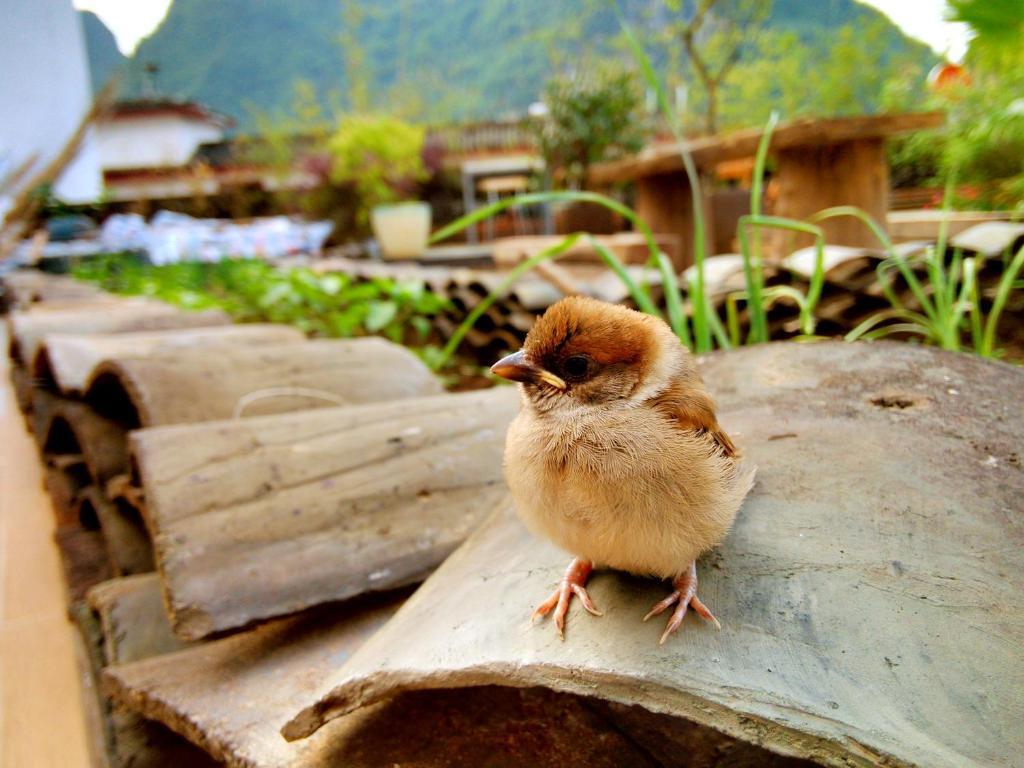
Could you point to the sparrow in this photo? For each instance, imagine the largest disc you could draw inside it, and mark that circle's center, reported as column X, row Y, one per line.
column 616, row 454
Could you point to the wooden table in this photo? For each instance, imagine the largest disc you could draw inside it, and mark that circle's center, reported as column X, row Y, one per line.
column 817, row 163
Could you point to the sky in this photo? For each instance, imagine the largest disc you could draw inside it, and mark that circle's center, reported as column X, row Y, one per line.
column 131, row 20
column 925, row 20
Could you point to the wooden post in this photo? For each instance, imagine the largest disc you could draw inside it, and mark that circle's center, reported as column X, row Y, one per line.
column 811, row 178
column 665, row 203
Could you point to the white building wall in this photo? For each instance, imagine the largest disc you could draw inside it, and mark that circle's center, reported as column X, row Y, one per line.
column 44, row 93
column 152, row 141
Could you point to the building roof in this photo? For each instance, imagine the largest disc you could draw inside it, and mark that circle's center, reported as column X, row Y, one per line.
column 133, row 108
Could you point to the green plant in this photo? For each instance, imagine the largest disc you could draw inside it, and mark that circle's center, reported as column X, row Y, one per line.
column 380, row 156
column 949, row 306
column 707, row 326
column 949, row 299
column 982, row 142
column 593, row 115
column 638, row 293
column 332, row 304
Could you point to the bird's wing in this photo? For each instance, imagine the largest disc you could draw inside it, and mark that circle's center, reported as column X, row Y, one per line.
column 691, row 408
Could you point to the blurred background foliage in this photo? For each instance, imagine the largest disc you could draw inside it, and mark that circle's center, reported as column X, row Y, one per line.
column 447, row 60
column 380, row 156
column 594, row 112
column 297, row 74
column 981, row 146
column 250, row 290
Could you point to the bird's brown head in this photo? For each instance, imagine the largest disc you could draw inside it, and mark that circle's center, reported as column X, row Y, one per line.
column 587, row 352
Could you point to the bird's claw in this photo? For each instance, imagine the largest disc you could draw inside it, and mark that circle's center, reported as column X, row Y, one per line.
column 572, row 583
column 683, row 596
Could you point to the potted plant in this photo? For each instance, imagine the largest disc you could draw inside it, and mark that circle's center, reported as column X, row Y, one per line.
column 381, row 157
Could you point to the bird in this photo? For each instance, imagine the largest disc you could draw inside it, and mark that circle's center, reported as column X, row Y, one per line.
column 616, row 454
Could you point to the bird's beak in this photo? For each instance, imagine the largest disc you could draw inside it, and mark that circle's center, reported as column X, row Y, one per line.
column 516, row 367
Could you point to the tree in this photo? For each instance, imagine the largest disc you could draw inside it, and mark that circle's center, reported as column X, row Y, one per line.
column 593, row 115
column 849, row 70
column 981, row 145
column 714, row 33
column 997, row 27
column 380, row 156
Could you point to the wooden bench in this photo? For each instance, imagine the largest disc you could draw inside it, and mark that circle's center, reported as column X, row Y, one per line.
column 818, row 163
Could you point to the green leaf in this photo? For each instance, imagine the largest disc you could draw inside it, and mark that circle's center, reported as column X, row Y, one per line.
column 275, row 294
column 408, row 290
column 421, row 326
column 361, row 292
column 380, row 314
column 331, row 284
column 347, row 323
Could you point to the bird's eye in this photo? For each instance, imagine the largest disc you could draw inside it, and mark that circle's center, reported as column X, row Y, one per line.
column 576, row 367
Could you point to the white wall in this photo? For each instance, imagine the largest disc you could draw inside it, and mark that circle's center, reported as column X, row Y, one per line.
column 44, row 93
column 152, row 141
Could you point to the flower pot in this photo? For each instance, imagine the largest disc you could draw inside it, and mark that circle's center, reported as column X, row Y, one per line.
column 402, row 230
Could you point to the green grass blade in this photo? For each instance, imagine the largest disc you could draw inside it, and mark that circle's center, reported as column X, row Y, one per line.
column 911, row 318
column 906, row 271
column 810, row 301
column 732, row 318
column 955, row 275
column 717, row 329
column 701, row 328
column 514, row 274
column 673, row 301
column 862, row 216
column 638, row 292
column 963, row 302
column 897, row 328
column 977, row 333
column 753, row 272
column 758, row 333
column 534, row 198
column 1006, row 284
column 760, row 161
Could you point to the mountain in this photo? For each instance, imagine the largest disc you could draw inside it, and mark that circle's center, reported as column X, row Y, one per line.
column 101, row 50
column 438, row 60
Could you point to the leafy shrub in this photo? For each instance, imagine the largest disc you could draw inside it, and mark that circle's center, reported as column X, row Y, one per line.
column 332, row 305
column 380, row 156
column 593, row 114
column 982, row 144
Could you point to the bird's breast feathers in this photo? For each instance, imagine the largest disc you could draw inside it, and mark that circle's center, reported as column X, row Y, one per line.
column 623, row 487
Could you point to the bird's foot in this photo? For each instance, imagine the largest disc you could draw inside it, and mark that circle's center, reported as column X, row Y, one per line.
column 573, row 583
column 683, row 596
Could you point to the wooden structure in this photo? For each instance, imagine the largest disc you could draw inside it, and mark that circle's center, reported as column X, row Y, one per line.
column 870, row 590
column 818, row 164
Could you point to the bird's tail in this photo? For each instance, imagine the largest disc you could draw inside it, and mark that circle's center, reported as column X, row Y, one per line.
column 743, row 479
